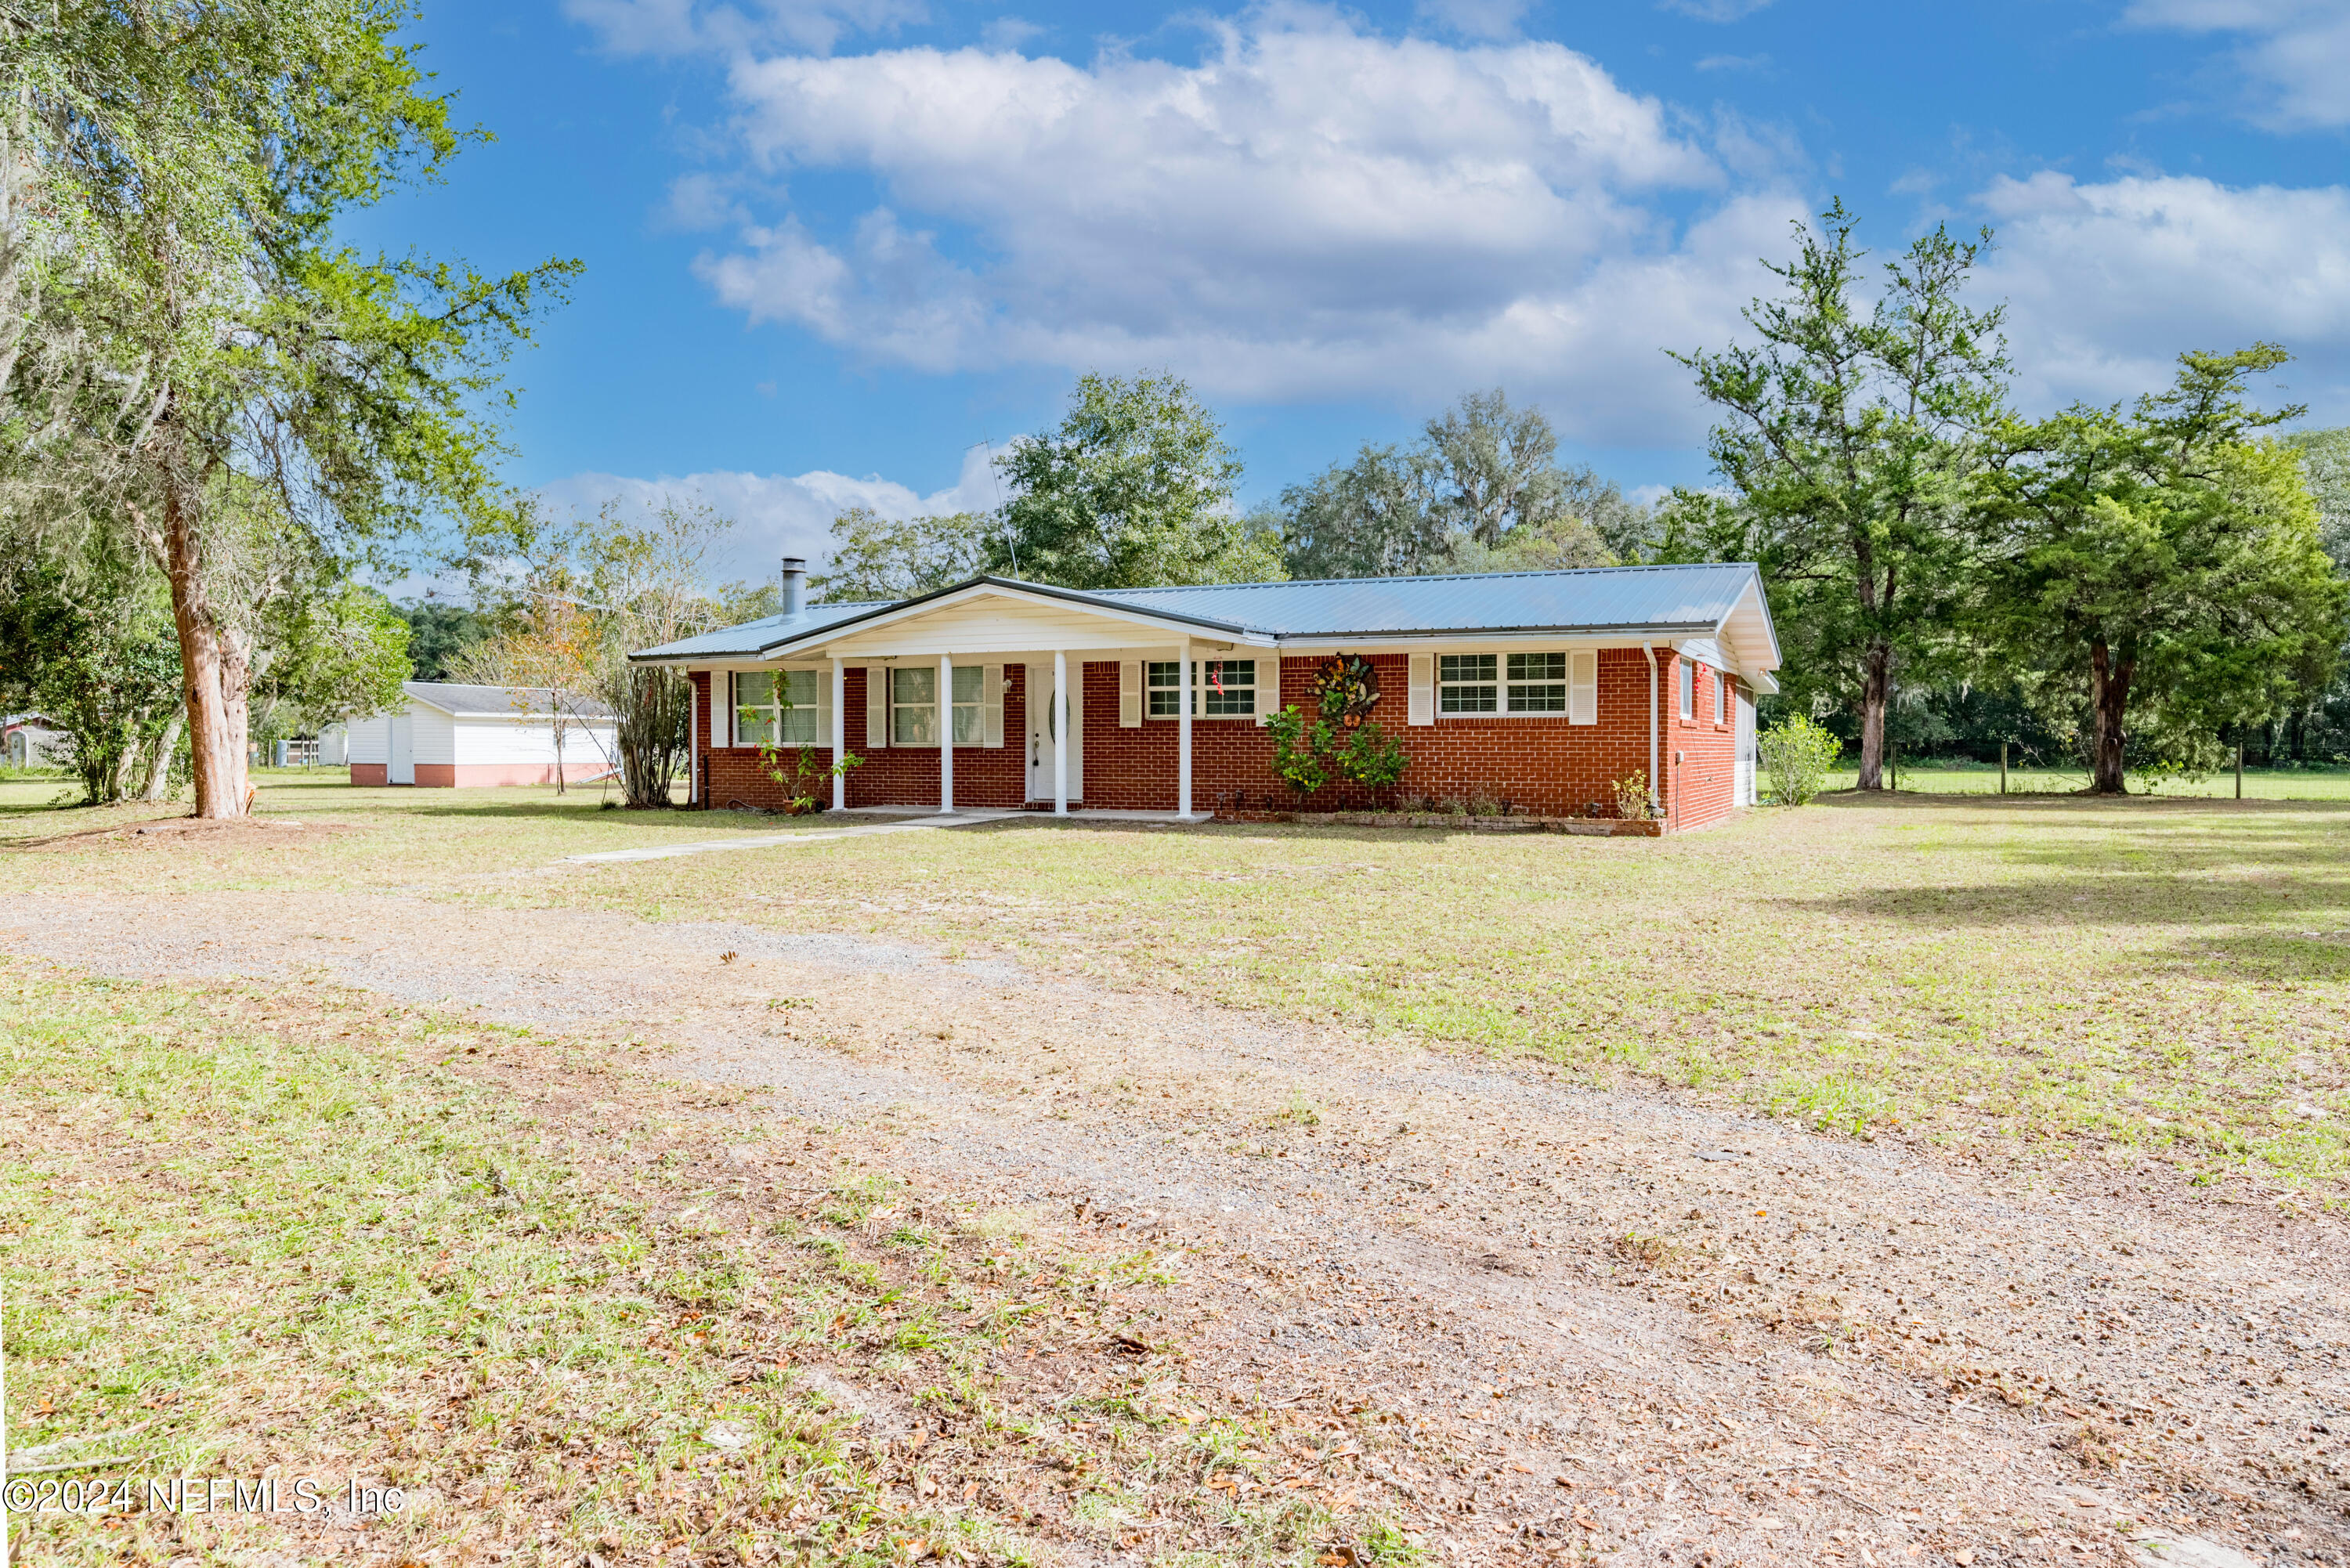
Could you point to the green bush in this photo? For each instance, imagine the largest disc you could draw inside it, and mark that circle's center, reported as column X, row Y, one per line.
column 1798, row 754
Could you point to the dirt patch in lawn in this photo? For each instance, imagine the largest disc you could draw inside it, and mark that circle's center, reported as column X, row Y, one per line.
column 167, row 833
column 1600, row 1320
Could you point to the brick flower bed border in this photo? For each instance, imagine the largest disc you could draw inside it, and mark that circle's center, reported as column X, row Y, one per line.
column 1597, row 827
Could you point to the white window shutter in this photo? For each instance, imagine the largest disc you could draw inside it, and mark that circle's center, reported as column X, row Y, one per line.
column 991, row 706
column 823, row 707
column 1421, row 707
column 1129, row 693
column 724, row 732
column 877, row 707
column 1583, row 688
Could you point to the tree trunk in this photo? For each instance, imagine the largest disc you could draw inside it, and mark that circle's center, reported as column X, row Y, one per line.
column 216, row 735
column 2109, row 681
column 126, row 766
column 158, row 775
column 1876, row 695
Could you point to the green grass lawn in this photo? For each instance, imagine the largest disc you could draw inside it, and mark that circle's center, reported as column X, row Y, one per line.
column 2165, row 978
column 557, row 1301
column 1975, row 778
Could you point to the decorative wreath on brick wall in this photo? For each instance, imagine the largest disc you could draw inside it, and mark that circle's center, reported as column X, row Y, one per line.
column 1346, row 688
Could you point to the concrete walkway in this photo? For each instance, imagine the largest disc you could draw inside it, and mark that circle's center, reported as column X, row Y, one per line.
column 879, row 819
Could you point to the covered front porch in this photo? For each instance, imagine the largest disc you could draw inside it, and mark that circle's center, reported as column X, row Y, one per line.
column 991, row 699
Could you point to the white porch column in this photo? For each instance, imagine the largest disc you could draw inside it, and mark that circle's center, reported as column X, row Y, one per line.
column 946, row 734
column 840, row 733
column 1060, row 726
column 1183, row 728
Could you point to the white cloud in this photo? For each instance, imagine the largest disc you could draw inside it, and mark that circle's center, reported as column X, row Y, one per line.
column 698, row 202
column 1475, row 18
column 1734, row 63
column 1713, row 10
column 1309, row 210
column 2109, row 282
column 777, row 514
column 672, row 28
column 2295, row 55
column 1010, row 32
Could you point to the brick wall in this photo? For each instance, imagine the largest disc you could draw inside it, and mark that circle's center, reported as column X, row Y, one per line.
column 1700, row 757
column 1544, row 765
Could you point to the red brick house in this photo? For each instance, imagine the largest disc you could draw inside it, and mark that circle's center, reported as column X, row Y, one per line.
column 1539, row 689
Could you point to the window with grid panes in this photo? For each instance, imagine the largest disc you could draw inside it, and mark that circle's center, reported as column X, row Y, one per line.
column 970, row 695
column 913, row 706
column 1537, row 682
column 778, row 708
column 1226, row 688
column 1468, row 683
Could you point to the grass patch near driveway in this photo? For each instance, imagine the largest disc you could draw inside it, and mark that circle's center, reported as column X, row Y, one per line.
column 566, row 1308
column 2169, row 978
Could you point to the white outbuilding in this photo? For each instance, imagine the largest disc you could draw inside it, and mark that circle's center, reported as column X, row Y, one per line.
column 29, row 741
column 467, row 736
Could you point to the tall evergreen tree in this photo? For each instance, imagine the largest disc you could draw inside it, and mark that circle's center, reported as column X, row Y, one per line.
column 1853, row 428
column 1133, row 489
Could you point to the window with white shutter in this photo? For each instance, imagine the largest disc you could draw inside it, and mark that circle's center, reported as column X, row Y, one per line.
column 1129, row 693
column 1583, row 688
column 877, row 707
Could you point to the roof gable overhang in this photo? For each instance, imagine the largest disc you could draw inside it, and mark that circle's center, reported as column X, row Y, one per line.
column 1028, row 598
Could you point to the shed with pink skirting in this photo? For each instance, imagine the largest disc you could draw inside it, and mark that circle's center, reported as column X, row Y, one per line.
column 453, row 736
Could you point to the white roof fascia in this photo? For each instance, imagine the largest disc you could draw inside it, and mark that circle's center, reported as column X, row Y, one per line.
column 1083, row 604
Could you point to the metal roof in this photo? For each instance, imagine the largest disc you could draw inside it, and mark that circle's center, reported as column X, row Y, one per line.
column 1684, row 600
column 1597, row 598
column 745, row 641
column 504, row 702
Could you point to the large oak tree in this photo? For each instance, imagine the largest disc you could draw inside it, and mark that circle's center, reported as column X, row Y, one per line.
column 192, row 325
column 2163, row 555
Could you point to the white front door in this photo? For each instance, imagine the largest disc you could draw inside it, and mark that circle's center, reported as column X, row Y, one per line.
column 1040, row 730
column 402, row 756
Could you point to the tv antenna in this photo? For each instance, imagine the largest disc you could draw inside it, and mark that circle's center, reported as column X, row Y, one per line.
column 1010, row 548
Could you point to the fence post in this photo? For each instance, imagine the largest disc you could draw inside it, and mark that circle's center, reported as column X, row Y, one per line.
column 2003, row 767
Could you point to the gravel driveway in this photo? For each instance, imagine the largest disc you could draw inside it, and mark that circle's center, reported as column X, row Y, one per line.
column 1689, row 1331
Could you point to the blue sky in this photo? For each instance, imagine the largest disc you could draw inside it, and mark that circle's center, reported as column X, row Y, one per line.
column 830, row 244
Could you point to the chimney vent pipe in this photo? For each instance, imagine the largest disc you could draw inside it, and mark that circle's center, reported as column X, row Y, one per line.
column 795, row 585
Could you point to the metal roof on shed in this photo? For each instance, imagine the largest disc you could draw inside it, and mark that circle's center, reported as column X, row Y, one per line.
column 504, row 702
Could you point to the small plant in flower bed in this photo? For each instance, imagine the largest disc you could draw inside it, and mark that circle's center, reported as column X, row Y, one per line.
column 802, row 777
column 1634, row 801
